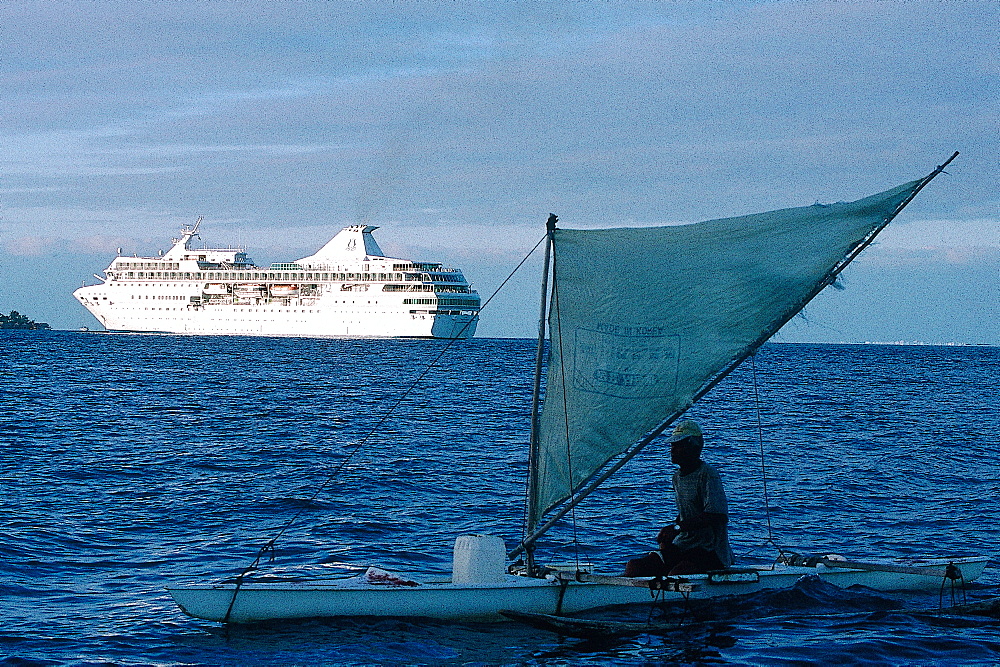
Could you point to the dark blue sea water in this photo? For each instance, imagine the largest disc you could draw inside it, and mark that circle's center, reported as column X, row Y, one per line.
column 131, row 462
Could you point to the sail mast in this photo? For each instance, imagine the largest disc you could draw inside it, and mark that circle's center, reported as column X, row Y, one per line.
column 587, row 486
column 532, row 518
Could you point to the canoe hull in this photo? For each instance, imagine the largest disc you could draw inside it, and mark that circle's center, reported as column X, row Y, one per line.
column 266, row 602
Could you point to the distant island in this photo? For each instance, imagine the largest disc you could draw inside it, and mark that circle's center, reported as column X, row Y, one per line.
column 18, row 321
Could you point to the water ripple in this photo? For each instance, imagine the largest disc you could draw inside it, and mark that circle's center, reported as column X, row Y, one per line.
column 130, row 462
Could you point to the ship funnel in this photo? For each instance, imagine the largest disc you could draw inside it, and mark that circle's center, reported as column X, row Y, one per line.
column 351, row 244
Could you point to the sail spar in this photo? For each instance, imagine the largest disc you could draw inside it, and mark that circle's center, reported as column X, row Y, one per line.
column 642, row 319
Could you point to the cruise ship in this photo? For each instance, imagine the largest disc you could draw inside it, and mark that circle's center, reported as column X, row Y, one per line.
column 347, row 288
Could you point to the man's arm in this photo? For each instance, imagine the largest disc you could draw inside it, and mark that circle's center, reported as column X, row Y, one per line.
column 705, row 520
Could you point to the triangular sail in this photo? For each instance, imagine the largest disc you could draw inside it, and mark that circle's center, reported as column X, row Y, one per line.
column 641, row 319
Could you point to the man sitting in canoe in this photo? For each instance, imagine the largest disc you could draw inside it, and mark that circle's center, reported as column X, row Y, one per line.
column 698, row 541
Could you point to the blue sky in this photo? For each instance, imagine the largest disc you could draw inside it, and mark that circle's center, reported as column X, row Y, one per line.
column 458, row 126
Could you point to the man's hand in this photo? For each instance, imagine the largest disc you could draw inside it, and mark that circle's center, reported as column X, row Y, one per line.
column 667, row 534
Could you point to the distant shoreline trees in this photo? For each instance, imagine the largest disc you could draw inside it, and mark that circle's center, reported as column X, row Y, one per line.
column 18, row 321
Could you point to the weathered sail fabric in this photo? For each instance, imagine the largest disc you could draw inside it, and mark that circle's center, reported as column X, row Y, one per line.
column 643, row 318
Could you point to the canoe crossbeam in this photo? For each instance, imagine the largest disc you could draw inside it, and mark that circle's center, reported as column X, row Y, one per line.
column 674, row 584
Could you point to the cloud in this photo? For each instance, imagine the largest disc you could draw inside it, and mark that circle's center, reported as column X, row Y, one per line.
column 31, row 246
column 933, row 257
column 36, row 229
column 928, row 234
column 458, row 126
column 635, row 113
column 49, row 246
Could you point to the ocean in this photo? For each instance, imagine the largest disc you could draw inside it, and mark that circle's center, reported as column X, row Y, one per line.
column 132, row 462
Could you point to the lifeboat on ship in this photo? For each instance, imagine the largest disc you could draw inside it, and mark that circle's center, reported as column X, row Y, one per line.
column 249, row 289
column 215, row 289
column 284, row 290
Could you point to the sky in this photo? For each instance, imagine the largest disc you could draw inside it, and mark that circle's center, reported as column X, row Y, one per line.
column 457, row 127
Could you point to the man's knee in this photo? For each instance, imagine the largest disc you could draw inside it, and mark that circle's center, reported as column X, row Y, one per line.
column 650, row 565
column 696, row 561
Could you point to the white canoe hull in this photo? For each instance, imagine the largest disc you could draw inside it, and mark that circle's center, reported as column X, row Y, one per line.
column 264, row 602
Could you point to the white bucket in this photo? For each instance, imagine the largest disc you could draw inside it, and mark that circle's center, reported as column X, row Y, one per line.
column 478, row 559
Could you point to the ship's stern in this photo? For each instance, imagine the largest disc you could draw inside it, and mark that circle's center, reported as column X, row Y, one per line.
column 454, row 326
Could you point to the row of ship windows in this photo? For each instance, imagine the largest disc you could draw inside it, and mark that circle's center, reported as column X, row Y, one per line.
column 287, row 276
column 385, row 288
column 143, row 266
column 462, row 303
column 253, row 310
column 303, row 310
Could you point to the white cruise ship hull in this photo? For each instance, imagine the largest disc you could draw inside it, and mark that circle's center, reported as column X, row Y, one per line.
column 316, row 321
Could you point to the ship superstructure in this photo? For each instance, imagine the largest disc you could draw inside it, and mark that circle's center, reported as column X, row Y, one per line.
column 347, row 288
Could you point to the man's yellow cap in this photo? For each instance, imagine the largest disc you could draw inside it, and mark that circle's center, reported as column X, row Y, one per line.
column 685, row 429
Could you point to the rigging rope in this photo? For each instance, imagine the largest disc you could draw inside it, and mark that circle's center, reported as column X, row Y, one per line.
column 269, row 545
column 760, row 442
